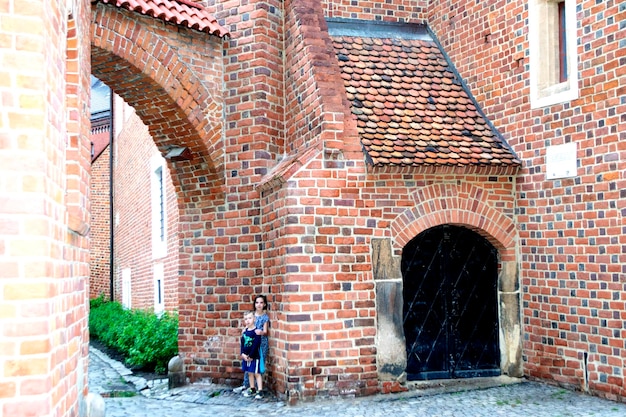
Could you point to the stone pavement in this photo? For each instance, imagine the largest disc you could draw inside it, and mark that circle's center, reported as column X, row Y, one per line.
column 126, row 395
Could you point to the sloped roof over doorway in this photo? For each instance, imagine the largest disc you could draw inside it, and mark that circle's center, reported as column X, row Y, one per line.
column 411, row 106
column 185, row 13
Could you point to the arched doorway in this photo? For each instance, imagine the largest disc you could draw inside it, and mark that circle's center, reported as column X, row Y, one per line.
column 450, row 308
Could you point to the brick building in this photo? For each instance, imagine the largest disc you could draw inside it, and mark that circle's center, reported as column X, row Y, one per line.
column 100, row 191
column 133, row 191
column 146, row 219
column 366, row 165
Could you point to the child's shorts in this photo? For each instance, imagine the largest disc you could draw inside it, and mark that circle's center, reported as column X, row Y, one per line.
column 251, row 366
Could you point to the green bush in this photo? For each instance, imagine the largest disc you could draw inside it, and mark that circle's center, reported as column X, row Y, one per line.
column 146, row 341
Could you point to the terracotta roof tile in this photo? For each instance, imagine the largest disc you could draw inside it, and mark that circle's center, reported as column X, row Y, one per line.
column 183, row 13
column 410, row 107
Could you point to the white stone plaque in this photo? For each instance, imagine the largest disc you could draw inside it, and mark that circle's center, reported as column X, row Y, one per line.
column 561, row 161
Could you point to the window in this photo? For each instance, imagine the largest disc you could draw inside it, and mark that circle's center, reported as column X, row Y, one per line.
column 159, row 302
column 553, row 54
column 562, row 42
column 159, row 209
column 126, row 296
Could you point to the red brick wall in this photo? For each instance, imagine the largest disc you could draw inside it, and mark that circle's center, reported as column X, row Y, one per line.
column 100, row 231
column 571, row 231
column 134, row 149
column 45, row 166
column 318, row 230
column 395, row 11
column 254, row 128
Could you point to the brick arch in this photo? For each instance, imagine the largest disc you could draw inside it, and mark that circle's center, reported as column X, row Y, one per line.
column 465, row 205
column 139, row 60
column 172, row 77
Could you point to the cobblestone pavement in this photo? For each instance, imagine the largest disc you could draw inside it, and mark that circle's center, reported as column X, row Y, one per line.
column 129, row 396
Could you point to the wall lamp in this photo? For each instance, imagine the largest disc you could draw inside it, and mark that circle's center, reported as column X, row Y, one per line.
column 178, row 153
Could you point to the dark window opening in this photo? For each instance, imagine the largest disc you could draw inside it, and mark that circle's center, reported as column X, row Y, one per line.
column 562, row 43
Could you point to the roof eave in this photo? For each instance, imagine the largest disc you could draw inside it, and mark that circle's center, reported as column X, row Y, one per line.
column 496, row 170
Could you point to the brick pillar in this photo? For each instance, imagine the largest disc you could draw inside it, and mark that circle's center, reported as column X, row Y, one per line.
column 44, row 208
column 254, row 131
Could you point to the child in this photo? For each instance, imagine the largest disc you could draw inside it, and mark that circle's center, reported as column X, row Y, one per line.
column 261, row 322
column 250, row 358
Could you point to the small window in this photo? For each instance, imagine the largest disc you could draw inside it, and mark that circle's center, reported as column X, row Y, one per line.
column 159, row 302
column 159, row 208
column 553, row 53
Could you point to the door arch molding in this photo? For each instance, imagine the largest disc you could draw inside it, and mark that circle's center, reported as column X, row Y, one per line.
column 464, row 205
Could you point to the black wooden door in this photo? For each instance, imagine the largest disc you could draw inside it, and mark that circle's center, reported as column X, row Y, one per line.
column 450, row 305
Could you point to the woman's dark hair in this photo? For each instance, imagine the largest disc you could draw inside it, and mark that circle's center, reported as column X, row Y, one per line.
column 264, row 301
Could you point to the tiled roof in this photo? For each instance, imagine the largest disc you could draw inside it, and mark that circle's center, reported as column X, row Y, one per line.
column 183, row 13
column 410, row 107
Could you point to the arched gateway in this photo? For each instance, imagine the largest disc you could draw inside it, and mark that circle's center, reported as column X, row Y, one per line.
column 168, row 67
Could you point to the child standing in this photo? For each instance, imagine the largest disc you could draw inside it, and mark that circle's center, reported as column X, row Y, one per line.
column 261, row 322
column 250, row 356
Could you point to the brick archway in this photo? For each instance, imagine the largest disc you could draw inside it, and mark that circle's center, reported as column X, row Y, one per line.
column 172, row 77
column 174, row 95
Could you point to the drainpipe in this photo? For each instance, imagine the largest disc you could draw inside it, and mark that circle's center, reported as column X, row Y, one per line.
column 111, row 211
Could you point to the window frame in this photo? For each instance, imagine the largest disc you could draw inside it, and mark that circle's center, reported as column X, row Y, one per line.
column 549, row 40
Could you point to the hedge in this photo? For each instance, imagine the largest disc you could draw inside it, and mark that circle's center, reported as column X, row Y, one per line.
column 146, row 340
